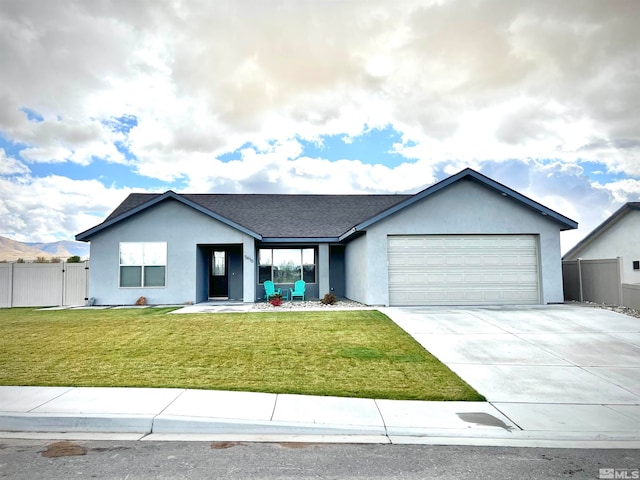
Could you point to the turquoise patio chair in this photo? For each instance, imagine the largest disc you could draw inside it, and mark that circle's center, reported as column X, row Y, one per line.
column 298, row 289
column 270, row 290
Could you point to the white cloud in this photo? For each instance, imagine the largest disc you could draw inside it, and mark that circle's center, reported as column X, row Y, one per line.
column 53, row 208
column 200, row 73
column 490, row 84
column 279, row 168
column 563, row 187
column 11, row 166
column 623, row 191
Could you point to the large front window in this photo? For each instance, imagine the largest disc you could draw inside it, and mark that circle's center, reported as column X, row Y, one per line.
column 143, row 264
column 286, row 265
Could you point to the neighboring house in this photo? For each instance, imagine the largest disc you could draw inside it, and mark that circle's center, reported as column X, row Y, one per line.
column 616, row 237
column 466, row 240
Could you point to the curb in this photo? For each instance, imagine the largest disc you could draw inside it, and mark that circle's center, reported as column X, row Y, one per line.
column 175, row 428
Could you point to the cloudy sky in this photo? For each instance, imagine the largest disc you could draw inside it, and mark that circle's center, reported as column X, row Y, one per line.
column 102, row 98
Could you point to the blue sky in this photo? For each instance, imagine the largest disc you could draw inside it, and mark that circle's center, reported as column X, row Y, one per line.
column 372, row 146
column 99, row 101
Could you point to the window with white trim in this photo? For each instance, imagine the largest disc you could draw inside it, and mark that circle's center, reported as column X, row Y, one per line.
column 143, row 264
column 286, row 265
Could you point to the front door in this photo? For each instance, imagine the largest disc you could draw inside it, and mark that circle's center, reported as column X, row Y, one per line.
column 219, row 280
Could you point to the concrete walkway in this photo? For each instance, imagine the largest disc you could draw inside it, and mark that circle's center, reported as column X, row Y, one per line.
column 177, row 414
column 554, row 376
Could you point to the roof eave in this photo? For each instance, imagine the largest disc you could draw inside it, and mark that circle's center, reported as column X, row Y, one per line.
column 86, row 235
column 600, row 229
column 300, row 239
column 565, row 222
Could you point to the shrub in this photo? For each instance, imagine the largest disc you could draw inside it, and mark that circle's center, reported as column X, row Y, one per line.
column 73, row 259
column 329, row 299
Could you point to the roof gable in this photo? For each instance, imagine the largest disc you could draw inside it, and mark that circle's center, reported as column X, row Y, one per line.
column 468, row 173
column 134, row 204
column 601, row 229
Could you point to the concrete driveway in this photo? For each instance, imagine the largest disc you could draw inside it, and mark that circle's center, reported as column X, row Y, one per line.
column 575, row 363
column 561, row 376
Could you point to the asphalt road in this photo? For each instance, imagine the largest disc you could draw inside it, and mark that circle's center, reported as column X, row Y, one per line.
column 36, row 459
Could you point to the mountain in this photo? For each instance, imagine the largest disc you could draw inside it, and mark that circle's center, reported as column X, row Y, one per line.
column 63, row 248
column 12, row 250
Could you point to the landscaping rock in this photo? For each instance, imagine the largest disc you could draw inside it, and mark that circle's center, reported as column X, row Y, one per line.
column 310, row 305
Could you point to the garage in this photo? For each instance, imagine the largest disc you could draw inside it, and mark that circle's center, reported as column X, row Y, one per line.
column 463, row 269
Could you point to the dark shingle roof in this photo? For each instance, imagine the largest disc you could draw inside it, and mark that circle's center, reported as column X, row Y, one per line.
column 329, row 217
column 283, row 216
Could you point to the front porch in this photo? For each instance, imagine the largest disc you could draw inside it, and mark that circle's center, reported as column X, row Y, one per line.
column 236, row 272
column 225, row 272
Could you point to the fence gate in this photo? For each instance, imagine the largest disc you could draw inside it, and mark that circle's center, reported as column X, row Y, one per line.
column 597, row 281
column 76, row 283
column 43, row 284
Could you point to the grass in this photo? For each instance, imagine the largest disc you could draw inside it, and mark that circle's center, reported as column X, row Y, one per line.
column 340, row 353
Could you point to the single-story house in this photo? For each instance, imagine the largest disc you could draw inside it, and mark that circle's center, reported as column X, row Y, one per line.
column 467, row 240
column 616, row 237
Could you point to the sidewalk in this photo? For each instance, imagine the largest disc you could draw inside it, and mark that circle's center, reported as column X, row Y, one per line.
column 555, row 376
column 178, row 414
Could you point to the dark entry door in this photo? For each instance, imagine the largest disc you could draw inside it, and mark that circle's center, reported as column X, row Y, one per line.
column 219, row 279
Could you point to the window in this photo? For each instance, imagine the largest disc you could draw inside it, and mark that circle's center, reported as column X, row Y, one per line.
column 143, row 264
column 264, row 265
column 218, row 267
column 636, row 264
column 286, row 265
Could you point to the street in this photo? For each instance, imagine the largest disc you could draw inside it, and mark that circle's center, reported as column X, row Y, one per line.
column 55, row 459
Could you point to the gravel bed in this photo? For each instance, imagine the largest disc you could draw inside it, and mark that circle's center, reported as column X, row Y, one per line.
column 344, row 304
column 632, row 312
column 309, row 305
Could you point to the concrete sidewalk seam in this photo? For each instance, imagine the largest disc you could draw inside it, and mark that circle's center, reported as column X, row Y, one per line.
column 52, row 399
column 275, row 405
column 153, row 420
column 546, row 350
column 623, row 387
column 506, row 416
column 384, row 422
column 608, row 407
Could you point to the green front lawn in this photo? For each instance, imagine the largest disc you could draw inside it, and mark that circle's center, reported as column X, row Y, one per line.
column 341, row 353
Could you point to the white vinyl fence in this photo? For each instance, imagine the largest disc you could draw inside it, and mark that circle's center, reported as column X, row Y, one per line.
column 43, row 284
column 598, row 281
column 631, row 295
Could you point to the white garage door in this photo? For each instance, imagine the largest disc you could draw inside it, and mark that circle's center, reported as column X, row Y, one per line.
column 463, row 269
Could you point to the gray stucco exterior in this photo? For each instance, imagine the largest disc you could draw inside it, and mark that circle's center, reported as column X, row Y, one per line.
column 356, row 270
column 351, row 262
column 464, row 207
column 616, row 237
column 184, row 229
